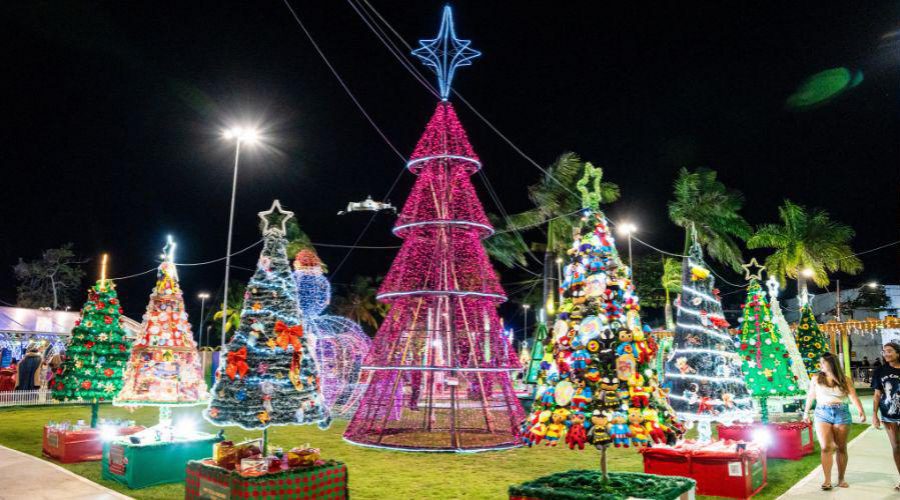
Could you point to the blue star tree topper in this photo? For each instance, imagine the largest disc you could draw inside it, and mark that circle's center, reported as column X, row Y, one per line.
column 445, row 53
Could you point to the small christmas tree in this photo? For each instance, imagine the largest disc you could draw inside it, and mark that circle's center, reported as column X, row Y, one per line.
column 787, row 337
column 164, row 367
column 766, row 362
column 97, row 351
column 539, row 354
column 703, row 370
column 810, row 339
column 269, row 376
column 600, row 387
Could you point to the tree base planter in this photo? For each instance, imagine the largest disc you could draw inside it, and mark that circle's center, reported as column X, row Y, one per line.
column 589, row 485
column 720, row 468
column 142, row 465
column 327, row 480
column 71, row 446
column 788, row 440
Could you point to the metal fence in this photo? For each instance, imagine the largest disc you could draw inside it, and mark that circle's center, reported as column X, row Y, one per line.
column 30, row 398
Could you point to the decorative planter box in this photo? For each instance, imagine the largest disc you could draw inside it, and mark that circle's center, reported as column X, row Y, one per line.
column 720, row 468
column 587, row 485
column 142, row 465
column 77, row 446
column 790, row 440
column 325, row 481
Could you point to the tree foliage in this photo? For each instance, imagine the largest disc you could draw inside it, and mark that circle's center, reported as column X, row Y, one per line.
column 806, row 239
column 52, row 281
column 703, row 204
column 358, row 302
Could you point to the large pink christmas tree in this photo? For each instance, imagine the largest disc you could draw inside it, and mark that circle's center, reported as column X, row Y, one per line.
column 440, row 375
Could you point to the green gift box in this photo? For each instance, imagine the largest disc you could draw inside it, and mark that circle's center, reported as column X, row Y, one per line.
column 141, row 465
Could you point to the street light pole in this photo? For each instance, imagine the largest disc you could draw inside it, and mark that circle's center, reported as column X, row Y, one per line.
column 526, row 307
column 628, row 228
column 239, row 135
column 202, row 296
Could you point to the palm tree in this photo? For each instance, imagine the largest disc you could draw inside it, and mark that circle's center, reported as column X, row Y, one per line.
column 505, row 246
column 556, row 203
column 671, row 283
column 806, row 240
column 703, row 204
column 233, row 311
column 359, row 303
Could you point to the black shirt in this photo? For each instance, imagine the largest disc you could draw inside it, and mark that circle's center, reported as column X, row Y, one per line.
column 887, row 380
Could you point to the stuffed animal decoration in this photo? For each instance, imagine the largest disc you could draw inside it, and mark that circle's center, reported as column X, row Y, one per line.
column 598, row 435
column 639, row 434
column 619, row 430
column 655, row 430
column 537, row 430
column 637, row 392
column 557, row 427
column 583, row 396
column 576, row 435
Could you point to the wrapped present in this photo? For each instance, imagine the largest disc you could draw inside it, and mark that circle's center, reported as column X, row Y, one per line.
column 225, row 455
column 254, row 466
column 78, row 443
column 303, row 457
column 721, row 468
column 327, row 480
column 789, row 440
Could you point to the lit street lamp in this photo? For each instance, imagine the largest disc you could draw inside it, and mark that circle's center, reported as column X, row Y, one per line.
column 202, row 296
column 627, row 229
column 240, row 136
column 526, row 307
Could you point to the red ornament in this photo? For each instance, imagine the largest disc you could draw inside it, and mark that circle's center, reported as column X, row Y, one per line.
column 100, row 305
column 108, row 372
column 89, row 344
column 86, row 384
column 60, row 386
column 107, row 320
column 122, row 347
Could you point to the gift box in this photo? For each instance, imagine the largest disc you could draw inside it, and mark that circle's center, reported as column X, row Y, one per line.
column 254, row 466
column 325, row 480
column 721, row 468
column 77, row 445
column 303, row 457
column 788, row 440
column 138, row 465
column 228, row 455
column 588, row 485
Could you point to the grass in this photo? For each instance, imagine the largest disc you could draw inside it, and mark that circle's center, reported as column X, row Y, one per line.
column 375, row 474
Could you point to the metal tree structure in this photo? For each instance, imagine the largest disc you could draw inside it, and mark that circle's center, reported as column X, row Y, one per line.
column 440, row 366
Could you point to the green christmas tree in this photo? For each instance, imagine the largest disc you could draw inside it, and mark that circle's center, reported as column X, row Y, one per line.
column 538, row 354
column 97, row 352
column 766, row 362
column 269, row 375
column 810, row 339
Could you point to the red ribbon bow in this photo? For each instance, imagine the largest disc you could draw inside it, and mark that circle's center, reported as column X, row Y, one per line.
column 237, row 363
column 288, row 335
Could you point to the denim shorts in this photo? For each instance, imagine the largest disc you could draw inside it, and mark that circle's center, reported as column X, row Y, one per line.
column 834, row 415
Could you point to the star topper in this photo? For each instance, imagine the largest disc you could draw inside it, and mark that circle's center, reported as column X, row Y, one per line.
column 753, row 265
column 168, row 252
column 274, row 219
column 445, row 53
column 589, row 187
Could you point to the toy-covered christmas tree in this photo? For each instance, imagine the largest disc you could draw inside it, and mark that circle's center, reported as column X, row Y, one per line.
column 703, row 371
column 269, row 375
column 97, row 352
column 341, row 345
column 440, row 365
column 787, row 337
column 766, row 363
column 600, row 387
column 810, row 340
column 164, row 366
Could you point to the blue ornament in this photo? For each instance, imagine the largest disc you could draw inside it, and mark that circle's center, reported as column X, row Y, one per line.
column 240, row 395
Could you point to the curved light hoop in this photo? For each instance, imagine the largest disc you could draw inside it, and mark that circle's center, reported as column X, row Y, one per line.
column 488, row 229
column 438, row 369
column 458, row 293
column 411, row 163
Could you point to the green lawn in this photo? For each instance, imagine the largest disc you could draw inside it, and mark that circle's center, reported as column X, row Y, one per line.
column 376, row 473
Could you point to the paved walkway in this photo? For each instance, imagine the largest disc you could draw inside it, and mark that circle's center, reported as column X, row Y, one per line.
column 27, row 477
column 870, row 472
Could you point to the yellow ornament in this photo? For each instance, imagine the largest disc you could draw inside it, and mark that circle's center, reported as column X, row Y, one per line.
column 699, row 273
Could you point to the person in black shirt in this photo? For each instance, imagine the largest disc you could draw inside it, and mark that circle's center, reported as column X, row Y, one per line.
column 886, row 402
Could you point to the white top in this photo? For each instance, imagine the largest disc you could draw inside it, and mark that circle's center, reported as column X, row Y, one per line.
column 826, row 396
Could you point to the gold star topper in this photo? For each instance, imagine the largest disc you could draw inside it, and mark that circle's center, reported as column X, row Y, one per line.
column 274, row 219
column 750, row 267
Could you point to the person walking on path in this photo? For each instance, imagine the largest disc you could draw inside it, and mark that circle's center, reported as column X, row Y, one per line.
column 886, row 401
column 830, row 389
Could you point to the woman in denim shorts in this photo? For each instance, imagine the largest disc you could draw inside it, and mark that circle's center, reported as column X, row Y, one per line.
column 830, row 389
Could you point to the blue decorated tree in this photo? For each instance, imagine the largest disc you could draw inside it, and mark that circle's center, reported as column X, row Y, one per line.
column 269, row 375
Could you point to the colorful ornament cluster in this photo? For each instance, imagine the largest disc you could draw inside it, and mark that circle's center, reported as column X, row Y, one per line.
column 766, row 363
column 340, row 344
column 164, row 367
column 810, row 340
column 269, row 376
column 703, row 370
column 97, row 352
column 597, row 385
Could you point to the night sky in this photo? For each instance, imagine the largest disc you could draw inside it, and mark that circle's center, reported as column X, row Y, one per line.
column 113, row 112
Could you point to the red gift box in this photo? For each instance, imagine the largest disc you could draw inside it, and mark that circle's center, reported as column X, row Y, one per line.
column 789, row 440
column 325, row 480
column 719, row 468
column 85, row 445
